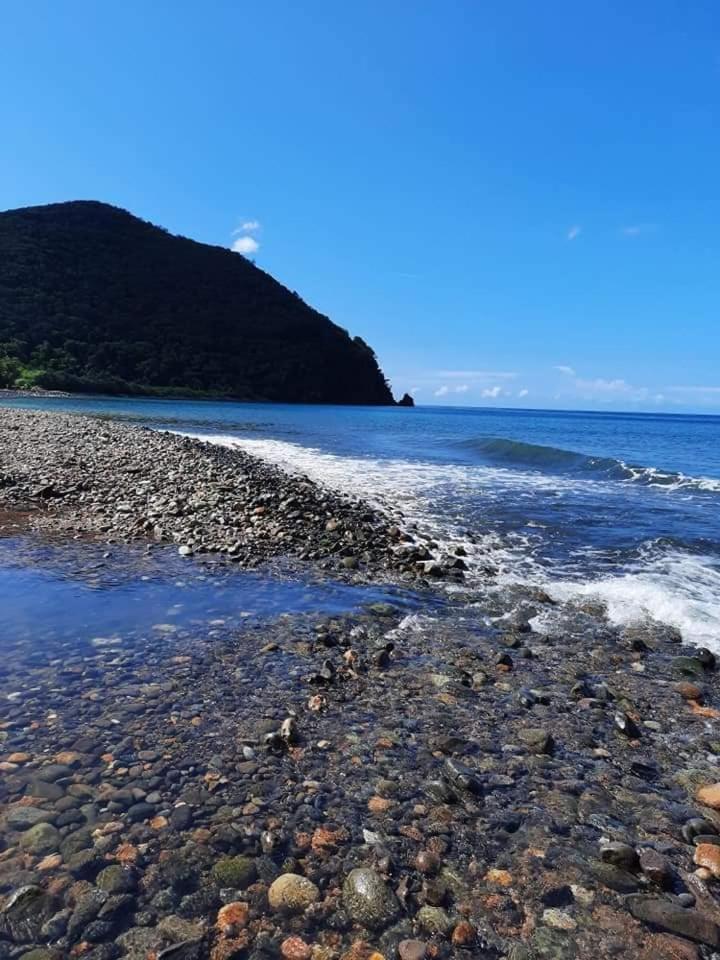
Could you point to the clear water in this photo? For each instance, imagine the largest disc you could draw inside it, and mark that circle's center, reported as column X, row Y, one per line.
column 622, row 507
column 82, row 597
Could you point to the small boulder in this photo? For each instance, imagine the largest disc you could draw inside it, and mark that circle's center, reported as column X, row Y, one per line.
column 709, row 796
column 368, row 899
column 708, row 855
column 42, row 838
column 434, row 921
column 235, row 872
column 292, row 893
column 25, row 913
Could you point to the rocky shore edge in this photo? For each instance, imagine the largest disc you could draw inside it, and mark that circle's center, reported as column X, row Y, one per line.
column 83, row 476
column 364, row 787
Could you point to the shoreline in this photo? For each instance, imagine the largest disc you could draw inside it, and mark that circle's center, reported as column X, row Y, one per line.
column 505, row 790
column 85, row 476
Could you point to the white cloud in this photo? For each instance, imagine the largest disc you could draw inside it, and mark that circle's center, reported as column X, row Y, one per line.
column 568, row 371
column 245, row 245
column 249, row 226
column 611, row 389
column 523, row 393
column 635, row 229
column 600, row 385
column 476, row 374
column 445, row 390
column 491, row 392
column 574, row 232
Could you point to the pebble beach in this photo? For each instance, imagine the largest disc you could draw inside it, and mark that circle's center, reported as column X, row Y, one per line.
column 380, row 783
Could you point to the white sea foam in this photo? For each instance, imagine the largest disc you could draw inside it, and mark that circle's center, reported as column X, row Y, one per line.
column 411, row 489
column 665, row 585
column 672, row 587
column 670, row 482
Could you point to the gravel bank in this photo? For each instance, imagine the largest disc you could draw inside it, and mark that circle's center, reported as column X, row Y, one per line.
column 90, row 477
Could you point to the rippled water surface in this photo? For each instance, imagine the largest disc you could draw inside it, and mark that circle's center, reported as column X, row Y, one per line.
column 75, row 597
column 622, row 507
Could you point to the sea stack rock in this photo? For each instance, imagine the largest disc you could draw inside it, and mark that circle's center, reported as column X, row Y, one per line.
column 406, row 401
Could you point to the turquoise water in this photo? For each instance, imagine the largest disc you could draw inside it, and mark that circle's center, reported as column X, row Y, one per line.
column 623, row 507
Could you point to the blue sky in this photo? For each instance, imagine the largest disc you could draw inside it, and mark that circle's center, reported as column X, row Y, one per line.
column 515, row 203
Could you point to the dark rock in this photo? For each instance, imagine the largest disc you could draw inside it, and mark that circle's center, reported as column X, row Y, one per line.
column 23, row 915
column 674, row 919
column 187, row 950
column 181, row 817
column 235, row 872
column 626, row 725
column 368, row 900
column 614, row 877
column 688, row 667
column 696, row 827
column 558, row 896
column 42, row 838
column 116, row 879
column 462, row 777
column 619, row 854
column 536, row 740
column 655, row 866
column 140, row 811
column 86, row 910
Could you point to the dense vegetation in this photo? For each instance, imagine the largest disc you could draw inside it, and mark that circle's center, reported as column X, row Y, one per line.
column 93, row 299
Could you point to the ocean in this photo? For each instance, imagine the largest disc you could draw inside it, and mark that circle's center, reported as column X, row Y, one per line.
column 620, row 508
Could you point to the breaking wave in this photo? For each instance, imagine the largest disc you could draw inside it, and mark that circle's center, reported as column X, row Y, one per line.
column 517, row 453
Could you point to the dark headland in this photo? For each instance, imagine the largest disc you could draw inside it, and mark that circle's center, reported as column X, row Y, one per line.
column 95, row 300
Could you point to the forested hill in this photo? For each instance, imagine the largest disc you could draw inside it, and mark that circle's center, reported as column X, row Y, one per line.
column 94, row 299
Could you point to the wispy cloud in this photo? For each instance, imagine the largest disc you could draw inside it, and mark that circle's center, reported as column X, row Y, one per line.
column 635, row 229
column 245, row 245
column 606, row 389
column 249, row 226
column 695, row 390
column 601, row 385
column 563, row 368
column 491, row 393
column 476, row 374
column 445, row 389
column 574, row 232
column 523, row 393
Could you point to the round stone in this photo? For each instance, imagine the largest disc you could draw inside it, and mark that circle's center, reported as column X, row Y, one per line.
column 434, row 920
column 42, row 838
column 116, row 879
column 295, row 948
column 292, row 893
column 708, row 855
column 235, row 872
column 368, row 899
column 412, row 950
column 709, row 796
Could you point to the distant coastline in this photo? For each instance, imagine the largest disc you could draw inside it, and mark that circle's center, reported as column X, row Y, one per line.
column 7, row 393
